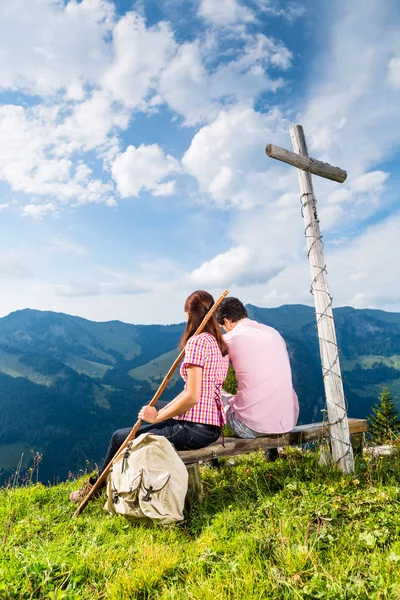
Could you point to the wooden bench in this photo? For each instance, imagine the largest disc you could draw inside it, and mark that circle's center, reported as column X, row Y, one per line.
column 234, row 446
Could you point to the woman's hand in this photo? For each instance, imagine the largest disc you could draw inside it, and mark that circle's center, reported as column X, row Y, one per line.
column 148, row 414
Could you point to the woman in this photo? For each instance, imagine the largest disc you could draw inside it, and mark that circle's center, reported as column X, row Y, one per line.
column 194, row 418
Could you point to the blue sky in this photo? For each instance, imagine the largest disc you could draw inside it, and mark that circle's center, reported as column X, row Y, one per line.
column 132, row 165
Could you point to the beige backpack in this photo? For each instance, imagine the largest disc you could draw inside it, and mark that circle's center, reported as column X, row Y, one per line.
column 148, row 482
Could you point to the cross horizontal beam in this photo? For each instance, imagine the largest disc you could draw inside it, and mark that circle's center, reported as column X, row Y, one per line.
column 311, row 165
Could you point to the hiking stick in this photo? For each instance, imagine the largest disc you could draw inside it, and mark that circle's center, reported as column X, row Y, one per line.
column 156, row 396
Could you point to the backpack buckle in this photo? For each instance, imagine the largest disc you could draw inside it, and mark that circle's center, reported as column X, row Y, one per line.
column 124, row 460
column 147, row 497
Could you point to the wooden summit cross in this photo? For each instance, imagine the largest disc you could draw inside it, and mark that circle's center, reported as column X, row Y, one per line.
column 342, row 451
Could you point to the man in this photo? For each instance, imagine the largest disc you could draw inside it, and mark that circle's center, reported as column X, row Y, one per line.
column 265, row 401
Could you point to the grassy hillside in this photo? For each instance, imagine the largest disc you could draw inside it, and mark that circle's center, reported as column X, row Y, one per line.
column 155, row 370
column 283, row 530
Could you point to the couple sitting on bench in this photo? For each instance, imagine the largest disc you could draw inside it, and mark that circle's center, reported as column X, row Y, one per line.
column 265, row 402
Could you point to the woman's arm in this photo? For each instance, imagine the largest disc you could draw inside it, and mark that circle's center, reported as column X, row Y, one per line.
column 182, row 403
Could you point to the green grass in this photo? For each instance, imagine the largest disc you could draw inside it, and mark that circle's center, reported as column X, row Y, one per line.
column 87, row 367
column 367, row 361
column 154, row 371
column 374, row 389
column 284, row 530
column 10, row 365
column 100, row 397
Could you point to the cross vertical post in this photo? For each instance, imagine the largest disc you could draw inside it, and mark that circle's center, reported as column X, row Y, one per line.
column 342, row 451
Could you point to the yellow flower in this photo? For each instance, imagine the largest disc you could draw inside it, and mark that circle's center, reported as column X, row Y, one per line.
column 356, row 481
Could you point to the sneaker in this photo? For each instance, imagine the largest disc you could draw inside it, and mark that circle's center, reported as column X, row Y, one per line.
column 78, row 495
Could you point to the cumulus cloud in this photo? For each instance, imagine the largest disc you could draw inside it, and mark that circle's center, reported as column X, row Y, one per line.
column 54, row 45
column 227, row 158
column 198, row 95
column 144, row 168
column 30, row 161
column 90, row 125
column 140, row 54
column 38, row 211
column 353, row 115
column 224, row 268
column 225, row 12
column 240, row 266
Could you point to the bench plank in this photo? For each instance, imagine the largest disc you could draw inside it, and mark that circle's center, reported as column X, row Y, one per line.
column 298, row 435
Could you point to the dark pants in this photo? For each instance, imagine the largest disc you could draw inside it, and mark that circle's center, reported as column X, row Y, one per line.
column 184, row 435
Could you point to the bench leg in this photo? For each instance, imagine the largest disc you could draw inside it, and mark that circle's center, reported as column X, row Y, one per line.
column 195, row 486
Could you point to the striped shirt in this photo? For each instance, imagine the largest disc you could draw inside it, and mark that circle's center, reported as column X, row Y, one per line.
column 203, row 351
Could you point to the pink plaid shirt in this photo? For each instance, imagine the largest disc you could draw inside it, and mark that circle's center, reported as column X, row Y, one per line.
column 203, row 351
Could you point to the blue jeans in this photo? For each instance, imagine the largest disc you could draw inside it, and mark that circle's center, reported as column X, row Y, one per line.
column 184, row 435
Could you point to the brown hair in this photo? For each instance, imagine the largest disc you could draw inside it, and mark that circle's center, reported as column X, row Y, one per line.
column 197, row 306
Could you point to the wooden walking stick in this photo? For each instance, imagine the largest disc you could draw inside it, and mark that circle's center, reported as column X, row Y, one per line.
column 153, row 401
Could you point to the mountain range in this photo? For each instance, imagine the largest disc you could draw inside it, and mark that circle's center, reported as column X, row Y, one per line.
column 67, row 383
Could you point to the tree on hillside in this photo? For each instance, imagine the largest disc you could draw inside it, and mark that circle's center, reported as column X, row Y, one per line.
column 230, row 385
column 384, row 422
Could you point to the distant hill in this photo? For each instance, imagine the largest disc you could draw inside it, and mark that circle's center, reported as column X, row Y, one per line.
column 66, row 383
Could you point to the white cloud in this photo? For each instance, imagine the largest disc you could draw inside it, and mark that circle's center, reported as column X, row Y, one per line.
column 224, row 268
column 394, row 72
column 227, row 158
column 165, row 189
column 353, row 115
column 140, row 55
column 46, row 45
column 225, row 12
column 59, row 48
column 64, row 245
column 30, row 161
column 143, row 168
column 38, row 211
column 359, row 199
column 79, row 289
column 198, row 94
column 369, row 181
column 360, row 272
column 290, row 10
column 91, row 70
column 13, row 264
column 90, row 124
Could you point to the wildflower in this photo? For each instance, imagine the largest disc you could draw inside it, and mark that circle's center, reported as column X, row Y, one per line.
column 356, row 481
column 230, row 506
column 331, row 489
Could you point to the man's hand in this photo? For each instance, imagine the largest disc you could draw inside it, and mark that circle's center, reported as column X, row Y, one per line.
column 148, row 414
